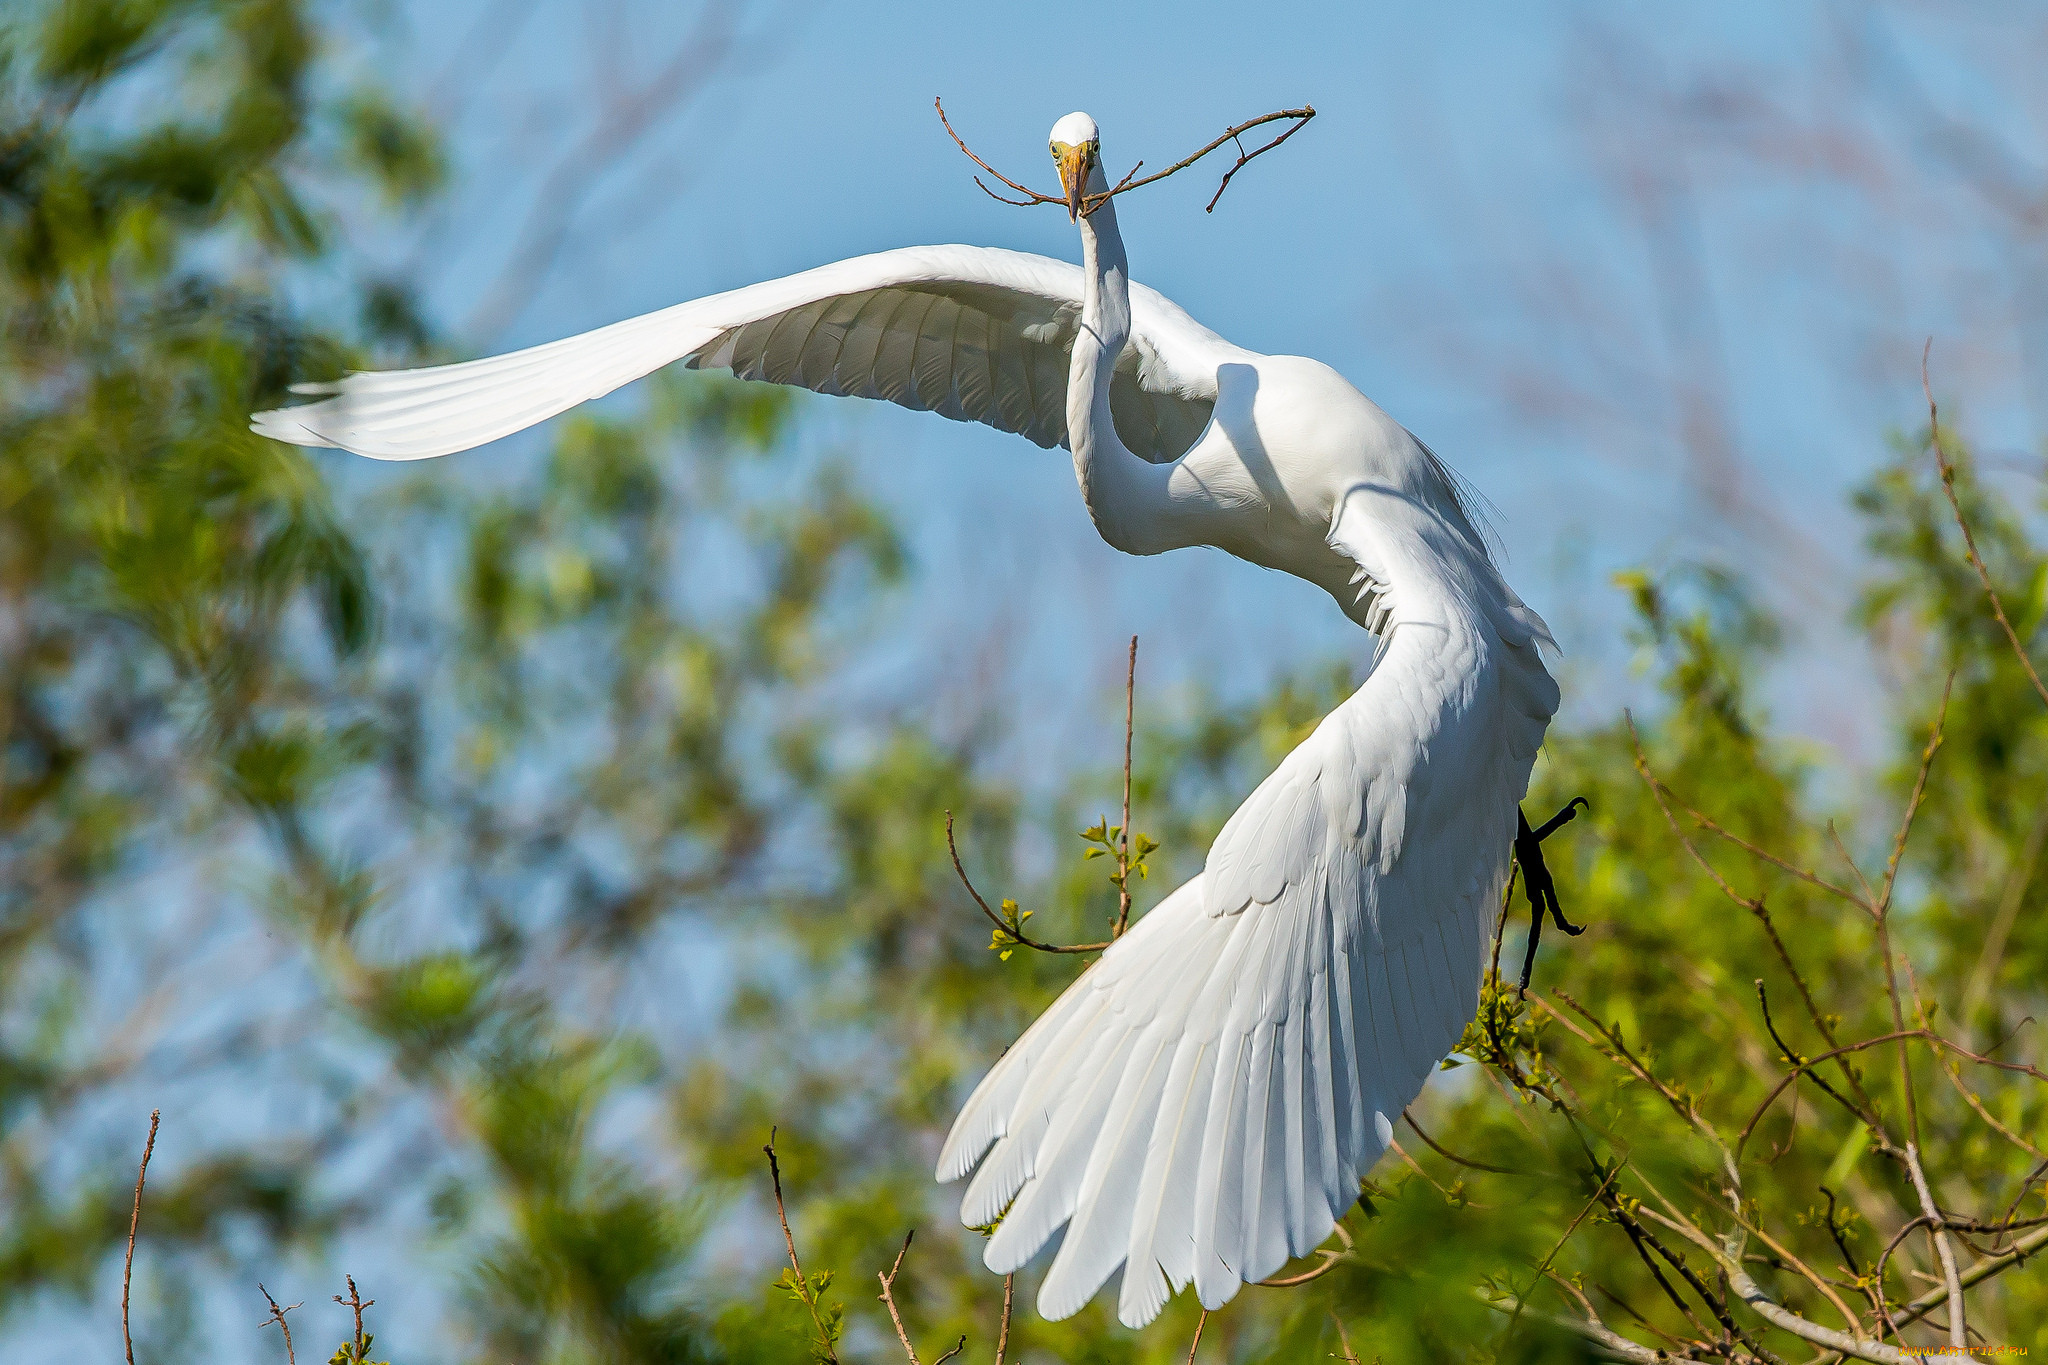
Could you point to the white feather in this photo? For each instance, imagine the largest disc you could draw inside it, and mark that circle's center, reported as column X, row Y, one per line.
column 1201, row 1104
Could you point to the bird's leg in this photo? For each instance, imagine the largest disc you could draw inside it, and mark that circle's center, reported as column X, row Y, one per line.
column 1563, row 817
column 1536, row 880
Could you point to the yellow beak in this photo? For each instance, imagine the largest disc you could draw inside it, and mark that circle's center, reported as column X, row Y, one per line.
column 1073, row 164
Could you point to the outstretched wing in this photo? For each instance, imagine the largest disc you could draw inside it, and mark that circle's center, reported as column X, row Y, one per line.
column 972, row 333
column 1201, row 1104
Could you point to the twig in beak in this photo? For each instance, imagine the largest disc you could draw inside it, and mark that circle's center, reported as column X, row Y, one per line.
column 1082, row 205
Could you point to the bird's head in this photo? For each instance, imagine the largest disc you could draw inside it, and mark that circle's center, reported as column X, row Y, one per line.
column 1077, row 151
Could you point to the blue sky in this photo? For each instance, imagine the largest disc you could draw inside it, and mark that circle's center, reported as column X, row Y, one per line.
column 1528, row 231
column 1524, row 229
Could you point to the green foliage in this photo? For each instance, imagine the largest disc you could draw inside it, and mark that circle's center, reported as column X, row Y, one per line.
column 416, row 789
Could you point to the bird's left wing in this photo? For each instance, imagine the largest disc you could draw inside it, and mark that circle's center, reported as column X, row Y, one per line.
column 972, row 333
column 1201, row 1104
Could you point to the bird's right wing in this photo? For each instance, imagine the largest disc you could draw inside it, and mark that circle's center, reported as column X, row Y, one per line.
column 972, row 333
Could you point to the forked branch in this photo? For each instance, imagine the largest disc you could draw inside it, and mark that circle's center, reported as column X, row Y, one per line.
column 1011, row 931
column 888, row 1298
column 1092, row 202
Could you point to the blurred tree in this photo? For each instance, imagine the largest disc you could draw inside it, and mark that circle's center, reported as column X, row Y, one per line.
column 480, row 870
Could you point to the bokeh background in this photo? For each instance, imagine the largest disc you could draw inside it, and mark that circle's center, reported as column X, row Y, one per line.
column 472, row 862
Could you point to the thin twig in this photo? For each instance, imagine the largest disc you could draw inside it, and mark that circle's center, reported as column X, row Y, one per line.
column 1944, row 1246
column 803, row 1286
column 1955, row 1076
column 888, row 1279
column 1031, row 196
column 1948, row 487
column 1976, row 1275
column 1343, row 1339
column 1003, row 1335
column 277, row 1316
column 1196, row 1344
column 1869, row 891
column 357, row 1302
column 1793, row 1058
column 1451, row 1156
column 1611, row 1344
column 1543, row 1266
column 1659, row 793
column 1092, row 202
column 1330, row 1261
column 1933, row 746
column 1742, row 1139
column 1301, row 115
column 1016, row 933
column 1806, row 875
column 135, row 1219
column 1835, row 1226
column 1123, row 855
column 1978, row 989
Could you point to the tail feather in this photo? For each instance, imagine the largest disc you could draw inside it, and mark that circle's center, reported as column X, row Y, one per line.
column 1201, row 1104
column 1053, row 1191
column 1161, row 1250
column 1015, row 1157
column 1164, row 1133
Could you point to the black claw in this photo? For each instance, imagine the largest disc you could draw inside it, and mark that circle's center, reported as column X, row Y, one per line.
column 1536, row 879
column 1562, row 818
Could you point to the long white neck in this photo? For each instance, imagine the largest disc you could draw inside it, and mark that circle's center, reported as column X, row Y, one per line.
column 1125, row 494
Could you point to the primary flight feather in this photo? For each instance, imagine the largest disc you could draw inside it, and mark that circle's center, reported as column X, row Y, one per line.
column 1200, row 1105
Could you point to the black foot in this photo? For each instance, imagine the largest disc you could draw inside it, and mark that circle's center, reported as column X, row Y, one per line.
column 1536, row 881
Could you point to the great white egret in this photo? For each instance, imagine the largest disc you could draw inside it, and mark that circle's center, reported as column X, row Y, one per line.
column 1200, row 1105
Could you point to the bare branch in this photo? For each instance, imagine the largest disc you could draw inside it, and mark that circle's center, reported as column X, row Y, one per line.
column 1976, row 1275
column 1451, row 1156
column 1761, row 1303
column 1610, row 1343
column 1748, row 1128
column 888, row 1298
column 357, row 1302
column 1948, row 487
column 1123, row 855
column 1003, row 1336
column 1543, row 1266
column 1330, row 1260
column 1015, row 933
column 1031, row 196
column 1970, row 1097
column 1659, row 792
column 1806, row 875
column 1793, row 1058
column 1919, row 793
column 277, row 1316
column 1092, row 202
column 803, row 1286
column 1301, row 115
column 1944, row 1247
column 134, row 1219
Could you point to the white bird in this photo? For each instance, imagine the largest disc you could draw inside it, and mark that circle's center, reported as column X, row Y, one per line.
column 1201, row 1104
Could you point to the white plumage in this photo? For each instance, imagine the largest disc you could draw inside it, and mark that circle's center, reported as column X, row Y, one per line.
column 1200, row 1106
